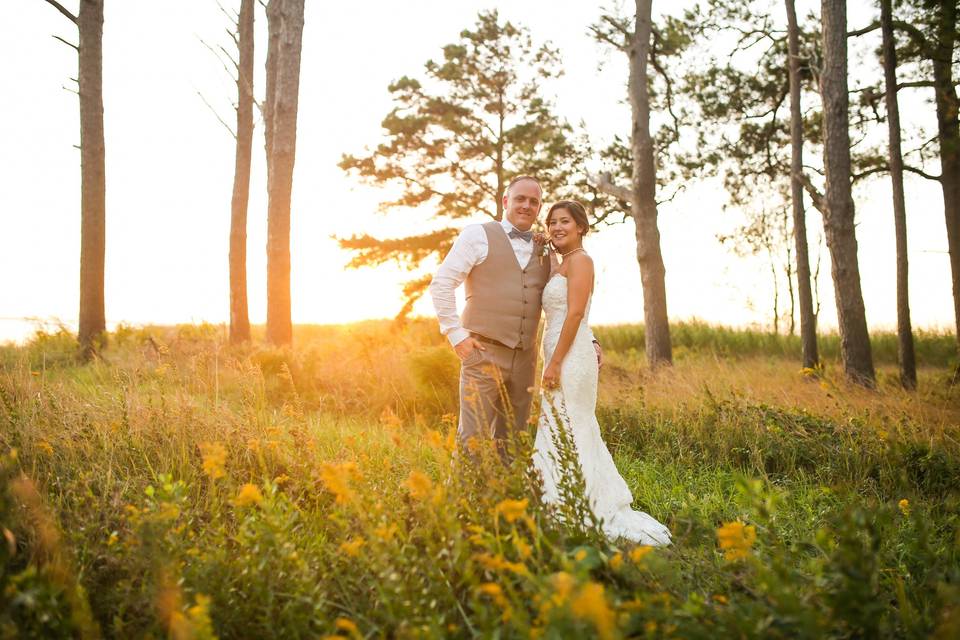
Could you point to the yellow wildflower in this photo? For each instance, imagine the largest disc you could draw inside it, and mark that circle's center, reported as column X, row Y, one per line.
column 523, row 549
column 281, row 479
column 563, row 584
column 511, row 510
column 735, row 540
column 249, row 495
column 650, row 626
column 580, row 555
column 639, row 553
column 385, row 532
column 616, row 561
column 499, row 563
column 904, row 505
column 346, row 625
column 591, row 604
column 214, row 458
column 434, row 439
column 352, row 547
column 45, row 447
column 719, row 598
column 253, row 445
column 495, row 593
column 337, row 477
column 419, row 485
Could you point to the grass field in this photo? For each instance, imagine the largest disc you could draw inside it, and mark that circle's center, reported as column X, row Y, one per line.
column 182, row 488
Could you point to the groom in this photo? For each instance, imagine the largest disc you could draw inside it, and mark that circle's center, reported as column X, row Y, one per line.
column 495, row 340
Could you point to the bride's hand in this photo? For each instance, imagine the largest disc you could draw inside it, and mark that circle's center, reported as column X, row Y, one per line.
column 551, row 376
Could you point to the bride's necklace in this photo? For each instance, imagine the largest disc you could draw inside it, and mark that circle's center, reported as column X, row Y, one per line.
column 564, row 255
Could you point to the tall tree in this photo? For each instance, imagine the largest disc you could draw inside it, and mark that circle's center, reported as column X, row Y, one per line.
column 637, row 41
column 652, row 271
column 455, row 138
column 927, row 55
column 908, row 367
column 285, row 28
column 239, row 316
column 839, row 208
column 89, row 22
column 808, row 320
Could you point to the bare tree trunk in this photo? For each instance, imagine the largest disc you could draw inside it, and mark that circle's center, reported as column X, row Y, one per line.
column 239, row 316
column 92, row 177
column 839, row 211
column 908, row 367
column 808, row 319
column 652, row 271
column 776, row 288
column 285, row 25
column 949, row 137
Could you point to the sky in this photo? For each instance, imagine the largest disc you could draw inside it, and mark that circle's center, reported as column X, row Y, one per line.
column 169, row 166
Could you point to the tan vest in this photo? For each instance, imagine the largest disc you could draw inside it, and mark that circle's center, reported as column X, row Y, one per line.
column 503, row 300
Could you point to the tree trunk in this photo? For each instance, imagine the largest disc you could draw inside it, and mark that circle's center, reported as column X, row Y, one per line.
column 285, row 25
column 239, row 316
column 949, row 137
column 652, row 271
column 808, row 320
column 908, row 367
column 839, row 210
column 92, row 177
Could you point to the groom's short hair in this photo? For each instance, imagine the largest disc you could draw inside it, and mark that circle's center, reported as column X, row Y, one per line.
column 520, row 179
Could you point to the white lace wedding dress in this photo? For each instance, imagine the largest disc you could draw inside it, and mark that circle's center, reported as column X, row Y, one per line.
column 576, row 400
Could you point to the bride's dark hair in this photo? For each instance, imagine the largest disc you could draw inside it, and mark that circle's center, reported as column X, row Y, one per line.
column 577, row 212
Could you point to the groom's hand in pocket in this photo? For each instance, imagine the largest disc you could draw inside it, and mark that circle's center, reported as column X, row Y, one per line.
column 465, row 347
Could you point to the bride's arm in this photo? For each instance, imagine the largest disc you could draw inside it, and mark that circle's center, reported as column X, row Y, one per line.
column 579, row 284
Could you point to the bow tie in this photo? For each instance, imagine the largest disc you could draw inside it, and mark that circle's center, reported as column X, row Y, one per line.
column 526, row 236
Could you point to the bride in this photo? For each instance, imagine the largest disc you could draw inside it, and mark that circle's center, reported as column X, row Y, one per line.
column 570, row 386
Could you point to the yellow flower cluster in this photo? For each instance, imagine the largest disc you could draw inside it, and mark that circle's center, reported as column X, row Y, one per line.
column 590, row 604
column 639, row 553
column 214, row 459
column 512, row 510
column 249, row 495
column 495, row 593
column 904, row 506
column 352, row 547
column 499, row 563
column 419, row 485
column 736, row 539
column 337, row 478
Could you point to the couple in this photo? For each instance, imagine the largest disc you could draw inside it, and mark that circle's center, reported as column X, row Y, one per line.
column 507, row 281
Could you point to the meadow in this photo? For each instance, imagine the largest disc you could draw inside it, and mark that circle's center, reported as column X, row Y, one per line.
column 182, row 488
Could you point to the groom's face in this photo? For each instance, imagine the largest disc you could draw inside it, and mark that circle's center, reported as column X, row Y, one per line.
column 522, row 204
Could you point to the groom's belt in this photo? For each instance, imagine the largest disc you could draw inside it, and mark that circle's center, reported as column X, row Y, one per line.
column 481, row 338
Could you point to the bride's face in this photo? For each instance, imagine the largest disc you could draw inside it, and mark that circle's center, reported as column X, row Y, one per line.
column 563, row 230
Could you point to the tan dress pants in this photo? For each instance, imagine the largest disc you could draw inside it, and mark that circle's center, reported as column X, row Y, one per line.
column 496, row 387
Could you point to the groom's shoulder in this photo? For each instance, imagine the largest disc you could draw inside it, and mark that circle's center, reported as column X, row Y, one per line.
column 473, row 231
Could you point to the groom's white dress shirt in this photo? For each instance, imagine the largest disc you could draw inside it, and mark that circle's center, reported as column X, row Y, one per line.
column 469, row 250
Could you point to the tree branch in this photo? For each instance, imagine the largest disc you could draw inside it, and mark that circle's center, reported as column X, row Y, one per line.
column 915, row 34
column 815, row 196
column 59, row 7
column 217, row 115
column 69, row 44
column 922, row 173
column 604, row 184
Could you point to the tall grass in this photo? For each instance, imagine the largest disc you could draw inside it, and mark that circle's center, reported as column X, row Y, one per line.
column 184, row 488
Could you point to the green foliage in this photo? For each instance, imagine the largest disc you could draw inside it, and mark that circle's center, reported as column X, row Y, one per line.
column 200, row 491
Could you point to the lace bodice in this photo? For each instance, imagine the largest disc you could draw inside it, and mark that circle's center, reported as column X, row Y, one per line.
column 555, row 310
